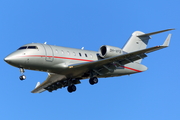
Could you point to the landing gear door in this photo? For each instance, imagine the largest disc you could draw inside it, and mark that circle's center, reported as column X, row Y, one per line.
column 49, row 53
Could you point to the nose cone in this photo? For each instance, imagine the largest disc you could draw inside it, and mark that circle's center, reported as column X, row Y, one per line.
column 8, row 59
column 16, row 59
column 11, row 59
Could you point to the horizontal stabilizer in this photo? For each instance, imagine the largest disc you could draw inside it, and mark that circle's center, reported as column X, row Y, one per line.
column 153, row 33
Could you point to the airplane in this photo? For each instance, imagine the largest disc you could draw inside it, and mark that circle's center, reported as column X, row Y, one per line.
column 66, row 67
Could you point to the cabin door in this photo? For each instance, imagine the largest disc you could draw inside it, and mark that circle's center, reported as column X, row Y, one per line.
column 49, row 53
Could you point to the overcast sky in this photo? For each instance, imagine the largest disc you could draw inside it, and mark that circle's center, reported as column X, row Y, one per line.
column 150, row 95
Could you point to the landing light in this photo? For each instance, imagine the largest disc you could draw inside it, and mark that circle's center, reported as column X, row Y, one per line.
column 70, row 66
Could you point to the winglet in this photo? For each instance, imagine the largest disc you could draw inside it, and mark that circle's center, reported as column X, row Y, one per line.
column 38, row 83
column 167, row 41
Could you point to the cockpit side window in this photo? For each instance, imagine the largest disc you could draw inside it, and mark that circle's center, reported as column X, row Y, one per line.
column 32, row 47
column 23, row 47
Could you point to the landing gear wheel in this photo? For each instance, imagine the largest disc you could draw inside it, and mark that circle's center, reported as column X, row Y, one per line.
column 59, row 84
column 54, row 87
column 22, row 77
column 93, row 80
column 71, row 88
column 49, row 89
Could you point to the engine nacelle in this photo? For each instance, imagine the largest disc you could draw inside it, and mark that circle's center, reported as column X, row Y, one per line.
column 109, row 51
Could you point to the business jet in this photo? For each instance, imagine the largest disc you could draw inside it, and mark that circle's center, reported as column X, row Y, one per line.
column 66, row 67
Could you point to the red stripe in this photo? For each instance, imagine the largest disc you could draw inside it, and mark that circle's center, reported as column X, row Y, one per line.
column 132, row 69
column 76, row 59
column 73, row 59
column 57, row 57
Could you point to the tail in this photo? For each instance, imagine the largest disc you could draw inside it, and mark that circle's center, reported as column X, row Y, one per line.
column 139, row 41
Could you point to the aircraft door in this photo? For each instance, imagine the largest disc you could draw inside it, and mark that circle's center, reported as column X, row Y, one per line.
column 49, row 53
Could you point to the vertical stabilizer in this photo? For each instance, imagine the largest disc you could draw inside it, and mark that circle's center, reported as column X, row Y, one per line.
column 139, row 41
column 136, row 43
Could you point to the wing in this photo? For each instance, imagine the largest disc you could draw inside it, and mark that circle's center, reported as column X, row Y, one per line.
column 120, row 60
column 50, row 79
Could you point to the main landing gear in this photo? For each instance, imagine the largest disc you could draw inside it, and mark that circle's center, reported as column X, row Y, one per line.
column 93, row 80
column 70, row 84
column 71, row 88
column 22, row 77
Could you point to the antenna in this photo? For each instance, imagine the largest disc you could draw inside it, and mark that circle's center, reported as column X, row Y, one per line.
column 82, row 48
column 45, row 42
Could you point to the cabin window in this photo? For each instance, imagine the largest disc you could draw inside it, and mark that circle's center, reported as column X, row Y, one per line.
column 68, row 52
column 56, row 51
column 62, row 51
column 91, row 55
column 74, row 53
column 80, row 54
column 86, row 55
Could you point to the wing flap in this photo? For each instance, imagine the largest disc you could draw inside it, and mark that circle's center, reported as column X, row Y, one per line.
column 50, row 79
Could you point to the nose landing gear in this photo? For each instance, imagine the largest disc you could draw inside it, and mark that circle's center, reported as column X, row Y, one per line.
column 22, row 77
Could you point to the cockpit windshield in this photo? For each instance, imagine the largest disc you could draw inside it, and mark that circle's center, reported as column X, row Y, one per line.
column 23, row 47
column 32, row 47
column 28, row 47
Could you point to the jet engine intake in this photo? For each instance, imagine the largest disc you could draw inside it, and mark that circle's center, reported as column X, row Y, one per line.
column 107, row 51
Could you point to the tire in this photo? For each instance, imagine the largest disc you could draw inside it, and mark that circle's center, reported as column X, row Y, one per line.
column 59, row 84
column 71, row 88
column 22, row 77
column 54, row 87
column 93, row 80
column 49, row 89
